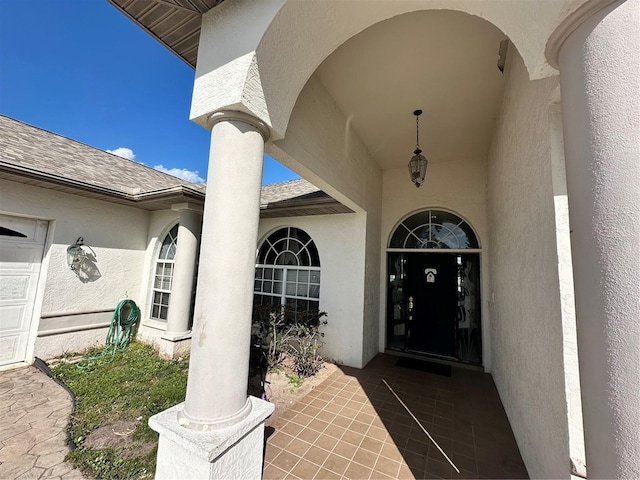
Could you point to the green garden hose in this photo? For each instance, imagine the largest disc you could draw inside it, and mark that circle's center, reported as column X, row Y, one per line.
column 121, row 328
column 123, row 322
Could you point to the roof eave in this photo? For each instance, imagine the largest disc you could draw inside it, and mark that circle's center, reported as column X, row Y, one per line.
column 153, row 200
column 157, row 38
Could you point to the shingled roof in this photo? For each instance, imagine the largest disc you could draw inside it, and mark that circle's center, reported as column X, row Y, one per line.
column 33, row 148
column 278, row 192
column 297, row 198
column 38, row 157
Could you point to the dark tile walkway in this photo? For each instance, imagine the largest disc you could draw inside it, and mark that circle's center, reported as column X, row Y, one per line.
column 352, row 426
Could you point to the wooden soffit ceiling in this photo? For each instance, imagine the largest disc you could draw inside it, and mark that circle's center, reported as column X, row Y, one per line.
column 174, row 23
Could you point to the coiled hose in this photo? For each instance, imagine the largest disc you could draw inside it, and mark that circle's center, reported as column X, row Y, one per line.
column 123, row 323
column 121, row 328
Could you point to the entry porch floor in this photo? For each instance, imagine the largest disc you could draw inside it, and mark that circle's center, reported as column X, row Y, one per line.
column 353, row 426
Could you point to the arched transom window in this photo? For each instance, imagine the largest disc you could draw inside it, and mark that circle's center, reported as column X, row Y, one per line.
column 288, row 271
column 433, row 229
column 163, row 278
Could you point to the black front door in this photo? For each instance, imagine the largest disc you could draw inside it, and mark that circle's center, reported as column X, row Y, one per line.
column 430, row 293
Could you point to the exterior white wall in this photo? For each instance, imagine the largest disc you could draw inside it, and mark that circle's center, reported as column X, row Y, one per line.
column 459, row 186
column 371, row 332
column 117, row 236
column 526, row 309
column 341, row 245
column 321, row 146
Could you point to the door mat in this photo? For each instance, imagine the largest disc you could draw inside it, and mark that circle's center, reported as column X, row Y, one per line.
column 424, row 366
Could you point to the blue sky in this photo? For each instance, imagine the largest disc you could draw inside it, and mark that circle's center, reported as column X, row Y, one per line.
column 81, row 69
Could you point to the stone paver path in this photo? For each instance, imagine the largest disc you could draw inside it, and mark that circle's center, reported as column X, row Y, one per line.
column 34, row 411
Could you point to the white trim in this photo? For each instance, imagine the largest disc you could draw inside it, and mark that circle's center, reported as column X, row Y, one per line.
column 156, row 254
column 568, row 26
column 442, row 209
column 76, row 312
column 155, row 324
column 306, row 247
column 237, row 116
column 81, row 328
column 434, row 250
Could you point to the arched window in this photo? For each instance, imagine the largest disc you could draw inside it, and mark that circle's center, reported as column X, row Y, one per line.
column 433, row 229
column 288, row 271
column 164, row 276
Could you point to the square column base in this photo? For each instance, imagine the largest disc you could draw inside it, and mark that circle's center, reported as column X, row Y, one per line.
column 174, row 346
column 231, row 452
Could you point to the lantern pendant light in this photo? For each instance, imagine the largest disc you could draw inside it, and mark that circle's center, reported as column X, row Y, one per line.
column 418, row 163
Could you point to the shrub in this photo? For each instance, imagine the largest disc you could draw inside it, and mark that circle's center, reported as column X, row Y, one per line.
column 304, row 345
column 278, row 331
column 268, row 337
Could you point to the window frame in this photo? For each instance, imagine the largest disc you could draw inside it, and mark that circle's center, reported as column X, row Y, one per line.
column 161, row 295
column 288, row 276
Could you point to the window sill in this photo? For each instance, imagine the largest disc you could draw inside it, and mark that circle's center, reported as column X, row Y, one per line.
column 155, row 324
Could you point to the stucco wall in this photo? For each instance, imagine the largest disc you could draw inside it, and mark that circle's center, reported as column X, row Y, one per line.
column 371, row 332
column 115, row 234
column 341, row 245
column 456, row 185
column 321, row 146
column 526, row 320
column 288, row 40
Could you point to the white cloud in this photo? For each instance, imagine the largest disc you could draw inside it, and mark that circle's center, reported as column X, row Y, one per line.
column 188, row 175
column 123, row 152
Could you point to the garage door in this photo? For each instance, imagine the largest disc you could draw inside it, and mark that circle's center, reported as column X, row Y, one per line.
column 21, row 248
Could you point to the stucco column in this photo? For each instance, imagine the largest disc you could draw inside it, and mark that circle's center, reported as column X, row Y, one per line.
column 218, row 432
column 183, row 271
column 600, row 81
column 219, row 365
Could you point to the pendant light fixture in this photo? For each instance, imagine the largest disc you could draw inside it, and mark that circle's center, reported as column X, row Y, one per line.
column 418, row 163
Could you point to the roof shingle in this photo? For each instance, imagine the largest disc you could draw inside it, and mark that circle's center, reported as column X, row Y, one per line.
column 36, row 149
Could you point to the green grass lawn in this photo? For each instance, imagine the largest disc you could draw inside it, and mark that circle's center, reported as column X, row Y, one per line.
column 121, row 394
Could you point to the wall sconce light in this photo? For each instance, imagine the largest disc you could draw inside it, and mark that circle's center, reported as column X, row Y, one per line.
column 75, row 254
column 418, row 163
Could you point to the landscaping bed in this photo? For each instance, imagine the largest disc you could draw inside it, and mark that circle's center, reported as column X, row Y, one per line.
column 114, row 400
column 116, row 396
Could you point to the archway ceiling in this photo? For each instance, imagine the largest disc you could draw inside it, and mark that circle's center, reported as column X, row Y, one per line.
column 442, row 62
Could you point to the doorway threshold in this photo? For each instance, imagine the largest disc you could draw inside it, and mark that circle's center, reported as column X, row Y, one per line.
column 431, row 358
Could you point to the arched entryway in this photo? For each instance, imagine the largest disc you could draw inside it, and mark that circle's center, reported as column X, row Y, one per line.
column 433, row 287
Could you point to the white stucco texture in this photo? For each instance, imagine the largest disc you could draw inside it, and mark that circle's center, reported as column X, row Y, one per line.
column 115, row 237
column 231, row 63
column 56, row 345
column 526, row 315
column 224, row 293
column 340, row 240
column 232, row 452
column 600, row 66
column 321, row 146
column 290, row 39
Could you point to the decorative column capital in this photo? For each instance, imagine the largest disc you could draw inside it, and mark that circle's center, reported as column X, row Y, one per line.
column 236, row 116
column 568, row 26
